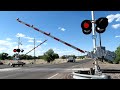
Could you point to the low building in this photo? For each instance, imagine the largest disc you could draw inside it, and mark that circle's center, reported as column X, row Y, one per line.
column 102, row 52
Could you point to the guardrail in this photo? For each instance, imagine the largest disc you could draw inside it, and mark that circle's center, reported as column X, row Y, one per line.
column 87, row 76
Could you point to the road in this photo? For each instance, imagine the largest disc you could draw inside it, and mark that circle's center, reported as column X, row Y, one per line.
column 41, row 71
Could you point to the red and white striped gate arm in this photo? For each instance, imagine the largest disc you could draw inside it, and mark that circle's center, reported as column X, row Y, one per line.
column 48, row 34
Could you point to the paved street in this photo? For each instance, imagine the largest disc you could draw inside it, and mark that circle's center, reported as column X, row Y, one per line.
column 42, row 71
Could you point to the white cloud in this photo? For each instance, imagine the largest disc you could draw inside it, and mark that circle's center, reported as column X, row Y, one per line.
column 24, row 36
column 7, row 46
column 62, row 29
column 30, row 41
column 28, row 38
column 8, row 39
column 20, row 35
column 117, row 36
column 39, row 41
column 112, row 17
column 116, row 26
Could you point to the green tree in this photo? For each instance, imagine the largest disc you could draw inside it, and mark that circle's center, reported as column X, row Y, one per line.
column 10, row 57
column 56, row 55
column 72, row 56
column 40, row 57
column 3, row 56
column 117, row 52
column 81, row 57
column 64, row 57
column 49, row 55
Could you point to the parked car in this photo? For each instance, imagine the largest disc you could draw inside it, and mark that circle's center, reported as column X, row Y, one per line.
column 71, row 59
column 1, row 63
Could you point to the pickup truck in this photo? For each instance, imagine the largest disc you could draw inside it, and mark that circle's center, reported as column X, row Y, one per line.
column 17, row 63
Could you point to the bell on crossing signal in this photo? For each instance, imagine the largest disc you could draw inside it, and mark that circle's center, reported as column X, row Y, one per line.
column 18, row 50
column 86, row 26
column 22, row 50
column 14, row 50
column 101, row 24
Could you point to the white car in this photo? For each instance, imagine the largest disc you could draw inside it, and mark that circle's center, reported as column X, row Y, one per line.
column 71, row 59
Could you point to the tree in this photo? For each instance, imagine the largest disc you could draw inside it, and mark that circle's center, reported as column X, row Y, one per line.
column 117, row 52
column 40, row 57
column 50, row 55
column 81, row 57
column 10, row 58
column 72, row 56
column 3, row 56
column 64, row 57
column 56, row 55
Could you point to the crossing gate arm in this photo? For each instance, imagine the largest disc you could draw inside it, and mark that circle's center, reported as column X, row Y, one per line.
column 48, row 34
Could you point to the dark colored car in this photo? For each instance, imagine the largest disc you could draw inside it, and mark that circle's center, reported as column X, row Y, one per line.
column 1, row 63
column 18, row 64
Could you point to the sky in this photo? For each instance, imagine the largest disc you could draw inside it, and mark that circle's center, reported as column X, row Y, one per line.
column 65, row 25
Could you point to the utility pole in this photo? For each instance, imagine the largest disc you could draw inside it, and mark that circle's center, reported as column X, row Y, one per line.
column 94, row 43
column 18, row 46
column 34, row 50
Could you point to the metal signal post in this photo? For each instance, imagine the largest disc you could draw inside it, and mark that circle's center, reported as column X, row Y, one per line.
column 94, row 44
column 93, row 31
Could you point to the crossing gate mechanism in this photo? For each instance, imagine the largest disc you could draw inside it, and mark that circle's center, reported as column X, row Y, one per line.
column 48, row 34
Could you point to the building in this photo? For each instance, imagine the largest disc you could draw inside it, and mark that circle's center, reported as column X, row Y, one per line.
column 102, row 52
column 110, row 55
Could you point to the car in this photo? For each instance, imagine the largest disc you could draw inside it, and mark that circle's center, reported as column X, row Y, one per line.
column 1, row 63
column 17, row 63
column 71, row 59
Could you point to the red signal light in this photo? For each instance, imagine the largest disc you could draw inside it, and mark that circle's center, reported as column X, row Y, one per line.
column 14, row 50
column 86, row 26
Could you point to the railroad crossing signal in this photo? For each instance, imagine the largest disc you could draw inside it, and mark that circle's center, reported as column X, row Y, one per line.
column 14, row 50
column 86, row 26
column 17, row 50
column 22, row 50
column 101, row 24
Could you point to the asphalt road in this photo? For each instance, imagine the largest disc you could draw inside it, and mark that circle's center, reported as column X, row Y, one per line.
column 41, row 71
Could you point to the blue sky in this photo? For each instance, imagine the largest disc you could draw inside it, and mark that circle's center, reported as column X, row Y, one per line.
column 65, row 25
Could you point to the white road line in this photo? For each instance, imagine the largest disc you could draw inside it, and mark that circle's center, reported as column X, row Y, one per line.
column 53, row 76
column 8, row 69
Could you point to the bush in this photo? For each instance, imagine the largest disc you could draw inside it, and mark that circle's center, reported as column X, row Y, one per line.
column 50, row 56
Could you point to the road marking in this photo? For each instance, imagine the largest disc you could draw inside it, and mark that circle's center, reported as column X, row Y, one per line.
column 8, row 69
column 53, row 76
